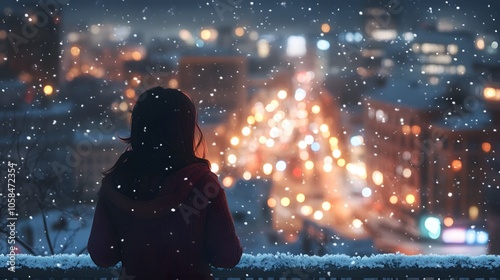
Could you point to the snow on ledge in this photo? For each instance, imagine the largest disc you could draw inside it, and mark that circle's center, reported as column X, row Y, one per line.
column 280, row 260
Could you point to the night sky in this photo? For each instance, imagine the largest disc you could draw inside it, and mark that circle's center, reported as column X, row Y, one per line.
column 163, row 18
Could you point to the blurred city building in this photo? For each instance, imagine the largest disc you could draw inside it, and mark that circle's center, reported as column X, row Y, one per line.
column 100, row 51
column 429, row 138
column 399, row 115
column 29, row 46
column 218, row 84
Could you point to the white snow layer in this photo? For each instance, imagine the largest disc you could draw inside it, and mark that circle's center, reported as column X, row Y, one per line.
column 272, row 261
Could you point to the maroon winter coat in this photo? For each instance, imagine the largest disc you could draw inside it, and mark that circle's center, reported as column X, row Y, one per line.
column 176, row 235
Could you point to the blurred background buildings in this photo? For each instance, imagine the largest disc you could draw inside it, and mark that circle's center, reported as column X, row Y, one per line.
column 385, row 123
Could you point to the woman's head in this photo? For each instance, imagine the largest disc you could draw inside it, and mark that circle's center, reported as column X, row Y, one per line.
column 164, row 128
column 164, row 121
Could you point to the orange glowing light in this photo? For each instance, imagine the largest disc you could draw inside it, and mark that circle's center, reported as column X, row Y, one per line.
column 271, row 202
column 234, row 140
column 250, row 120
column 473, row 212
column 489, row 92
column 247, row 175
column 130, row 93
column 393, row 199
column 377, row 177
column 205, row 34
column 239, row 31
column 282, row 94
column 297, row 172
column 227, row 181
column 309, row 165
column 410, row 199
column 75, row 51
column 185, row 34
column 315, row 109
column 173, row 83
column 285, row 201
column 325, row 28
column 486, row 147
column 214, row 167
column 136, row 55
column 415, row 130
column 306, row 210
column 406, row 129
column 480, row 44
column 326, row 205
column 334, row 141
column 48, row 90
column 456, row 165
column 448, row 221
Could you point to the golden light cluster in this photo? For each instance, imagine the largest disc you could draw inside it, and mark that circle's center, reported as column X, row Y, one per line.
column 284, row 136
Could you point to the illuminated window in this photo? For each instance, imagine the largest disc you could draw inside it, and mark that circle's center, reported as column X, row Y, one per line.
column 452, row 49
column 473, row 212
column 381, row 116
column 406, row 129
column 490, row 93
column 480, row 44
column 377, row 177
column 432, row 48
column 263, row 48
column 296, row 46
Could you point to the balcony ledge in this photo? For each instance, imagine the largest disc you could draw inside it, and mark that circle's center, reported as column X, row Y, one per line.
column 278, row 266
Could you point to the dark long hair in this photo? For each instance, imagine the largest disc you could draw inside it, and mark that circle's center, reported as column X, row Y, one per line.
column 164, row 135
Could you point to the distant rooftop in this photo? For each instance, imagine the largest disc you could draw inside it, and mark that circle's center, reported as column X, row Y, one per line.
column 478, row 118
column 413, row 93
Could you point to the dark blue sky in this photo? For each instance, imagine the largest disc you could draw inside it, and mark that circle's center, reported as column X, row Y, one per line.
column 161, row 17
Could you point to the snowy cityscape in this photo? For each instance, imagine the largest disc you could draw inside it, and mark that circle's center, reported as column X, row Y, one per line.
column 356, row 128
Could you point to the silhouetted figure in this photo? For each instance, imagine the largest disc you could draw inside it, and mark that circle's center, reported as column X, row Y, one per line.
column 161, row 211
